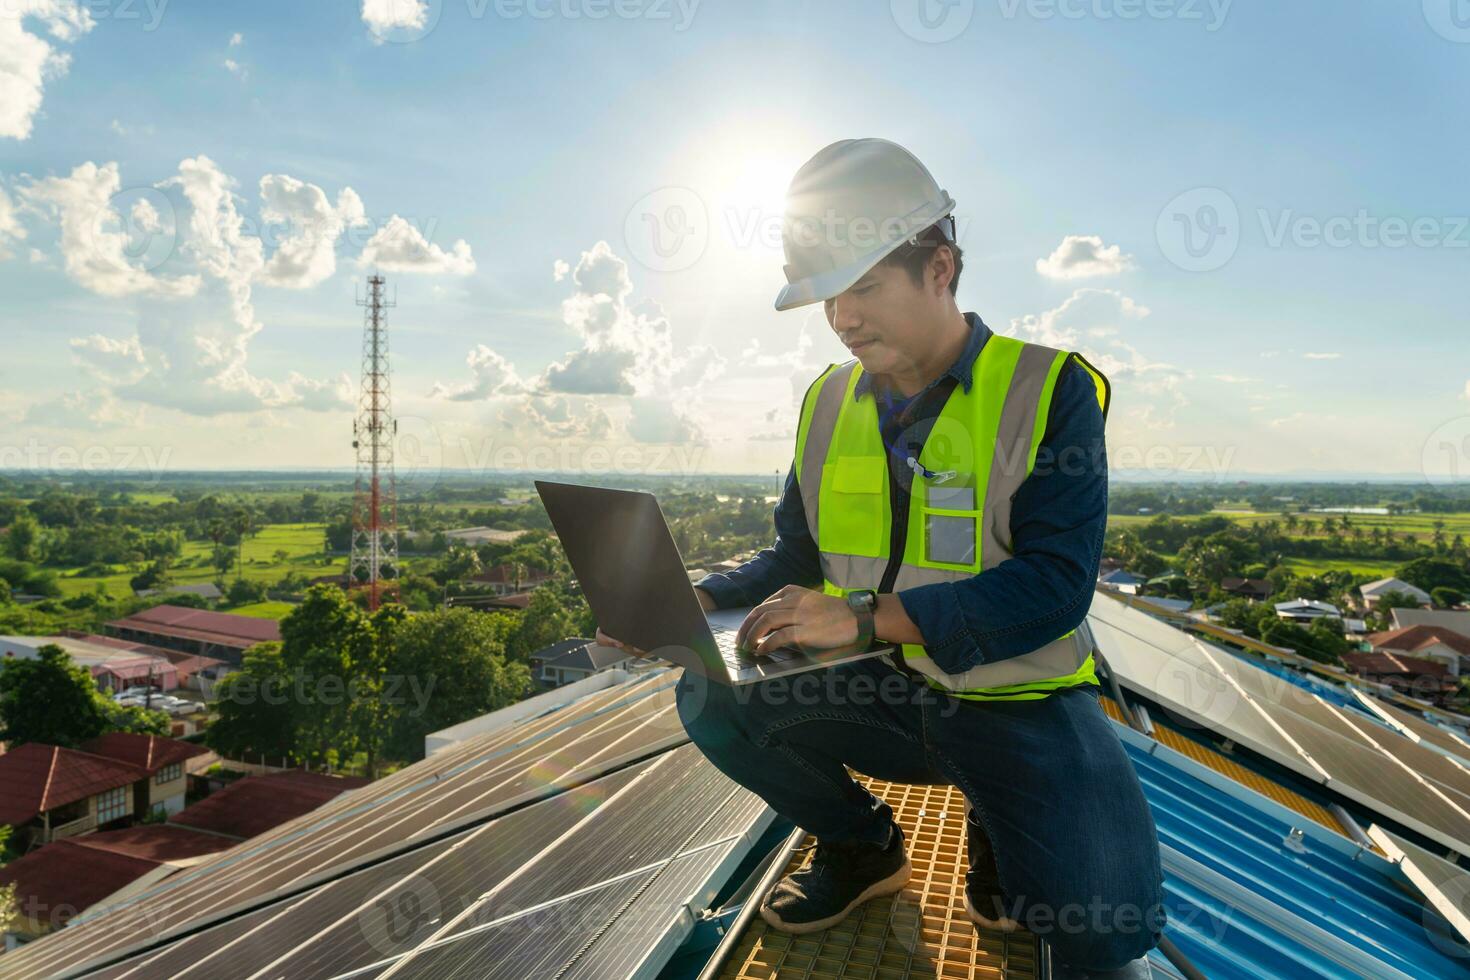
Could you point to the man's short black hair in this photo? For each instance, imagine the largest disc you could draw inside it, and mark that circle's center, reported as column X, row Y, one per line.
column 914, row 257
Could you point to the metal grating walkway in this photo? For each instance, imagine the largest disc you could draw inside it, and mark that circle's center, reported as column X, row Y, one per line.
column 920, row 932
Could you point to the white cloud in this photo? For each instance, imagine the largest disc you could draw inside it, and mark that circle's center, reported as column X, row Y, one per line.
column 309, row 255
column 1101, row 312
column 385, row 15
column 400, row 247
column 28, row 61
column 1466, row 393
column 627, row 351
column 114, row 361
column 235, row 68
column 237, row 39
column 1084, row 256
column 1085, row 310
column 1322, row 355
column 493, row 376
column 326, row 395
column 95, row 244
column 88, row 410
column 795, row 358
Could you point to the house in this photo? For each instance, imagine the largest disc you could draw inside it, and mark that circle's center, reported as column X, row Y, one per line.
column 547, row 654
column 112, row 668
column 1426, row 643
column 1255, row 589
column 223, row 636
column 582, row 661
column 204, row 590
column 167, row 761
column 1301, row 610
column 255, row 804
column 510, row 579
column 192, row 670
column 1445, row 619
column 65, row 878
column 1121, row 580
column 1376, row 590
column 47, row 792
column 1426, row 680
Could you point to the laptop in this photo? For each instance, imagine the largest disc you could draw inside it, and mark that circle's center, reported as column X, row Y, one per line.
column 630, row 570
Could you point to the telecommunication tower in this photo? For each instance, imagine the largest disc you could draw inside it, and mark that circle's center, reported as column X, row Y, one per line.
column 374, row 564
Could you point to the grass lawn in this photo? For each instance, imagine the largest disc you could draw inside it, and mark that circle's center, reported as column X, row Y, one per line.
column 263, row 610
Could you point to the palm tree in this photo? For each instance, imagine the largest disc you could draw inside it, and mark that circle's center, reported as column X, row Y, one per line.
column 240, row 523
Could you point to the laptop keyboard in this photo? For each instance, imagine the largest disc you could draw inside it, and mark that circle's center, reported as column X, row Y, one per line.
column 738, row 660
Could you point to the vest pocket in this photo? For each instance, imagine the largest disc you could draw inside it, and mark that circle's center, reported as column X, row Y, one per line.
column 950, row 525
column 851, row 521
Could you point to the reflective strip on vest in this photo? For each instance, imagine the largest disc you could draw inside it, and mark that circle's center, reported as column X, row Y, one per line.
column 956, row 529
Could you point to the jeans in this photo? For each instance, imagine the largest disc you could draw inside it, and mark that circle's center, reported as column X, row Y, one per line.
column 1073, row 837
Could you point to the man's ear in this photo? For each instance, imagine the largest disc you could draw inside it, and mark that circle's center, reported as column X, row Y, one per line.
column 941, row 265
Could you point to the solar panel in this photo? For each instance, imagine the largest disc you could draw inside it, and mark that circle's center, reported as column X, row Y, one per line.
column 1445, row 885
column 480, row 777
column 1416, row 727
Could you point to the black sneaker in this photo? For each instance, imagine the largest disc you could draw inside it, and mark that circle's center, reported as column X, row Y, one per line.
column 839, row 876
column 985, row 904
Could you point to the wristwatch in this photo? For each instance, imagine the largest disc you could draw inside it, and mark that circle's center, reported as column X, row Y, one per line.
column 863, row 602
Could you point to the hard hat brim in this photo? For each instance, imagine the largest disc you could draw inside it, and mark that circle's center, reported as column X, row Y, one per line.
column 824, row 286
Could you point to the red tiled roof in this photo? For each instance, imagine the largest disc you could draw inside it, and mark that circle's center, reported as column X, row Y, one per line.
column 226, row 629
column 1382, row 662
column 1418, row 637
column 149, row 752
column 58, row 881
column 35, row 778
column 159, row 842
column 255, row 804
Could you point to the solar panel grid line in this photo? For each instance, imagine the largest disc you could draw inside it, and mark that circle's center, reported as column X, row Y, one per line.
column 524, row 868
column 1418, row 730
column 582, row 762
column 641, row 878
column 540, row 798
column 1386, row 790
column 531, row 754
column 329, row 950
column 174, row 900
column 1424, row 781
column 468, row 841
column 1302, row 931
column 1256, row 706
column 1441, row 769
column 164, row 962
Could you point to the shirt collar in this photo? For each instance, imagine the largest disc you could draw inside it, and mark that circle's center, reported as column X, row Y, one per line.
column 962, row 370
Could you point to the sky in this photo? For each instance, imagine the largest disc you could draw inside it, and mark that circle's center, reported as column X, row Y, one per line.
column 1253, row 217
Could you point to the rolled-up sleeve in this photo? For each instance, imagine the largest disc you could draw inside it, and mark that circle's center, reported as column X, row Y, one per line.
column 1058, row 520
column 792, row 560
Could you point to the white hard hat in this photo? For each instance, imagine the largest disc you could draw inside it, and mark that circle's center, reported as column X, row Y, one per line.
column 847, row 208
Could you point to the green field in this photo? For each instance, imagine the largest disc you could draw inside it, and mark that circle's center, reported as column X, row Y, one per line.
column 301, row 542
column 264, row 610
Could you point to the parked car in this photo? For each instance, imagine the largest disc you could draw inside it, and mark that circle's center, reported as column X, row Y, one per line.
column 134, row 692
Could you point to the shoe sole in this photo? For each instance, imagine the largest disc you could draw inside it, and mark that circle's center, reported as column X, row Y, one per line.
column 877, row 889
column 1001, row 924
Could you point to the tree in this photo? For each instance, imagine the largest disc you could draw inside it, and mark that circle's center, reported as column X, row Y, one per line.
column 8, row 906
column 155, row 576
column 256, row 714
column 544, row 621
column 23, row 541
column 1446, row 597
column 445, row 667
column 223, row 558
column 49, row 700
column 240, row 524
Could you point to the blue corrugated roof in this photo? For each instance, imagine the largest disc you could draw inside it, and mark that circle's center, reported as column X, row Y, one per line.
column 1242, row 902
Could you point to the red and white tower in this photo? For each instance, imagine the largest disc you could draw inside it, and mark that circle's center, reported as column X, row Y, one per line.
column 374, row 564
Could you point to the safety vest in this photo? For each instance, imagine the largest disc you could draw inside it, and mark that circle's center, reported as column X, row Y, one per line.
column 957, row 526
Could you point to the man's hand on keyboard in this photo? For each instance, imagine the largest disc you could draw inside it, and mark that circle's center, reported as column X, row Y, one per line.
column 706, row 602
column 801, row 618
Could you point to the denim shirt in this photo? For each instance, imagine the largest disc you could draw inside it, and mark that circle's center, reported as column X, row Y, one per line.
column 1058, row 519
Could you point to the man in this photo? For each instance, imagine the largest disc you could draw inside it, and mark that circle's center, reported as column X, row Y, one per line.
column 948, row 494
